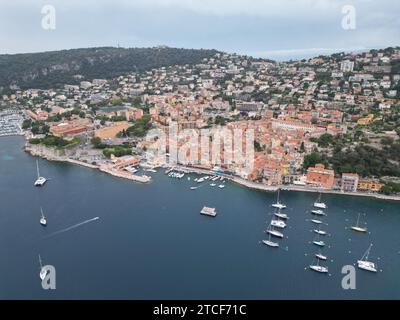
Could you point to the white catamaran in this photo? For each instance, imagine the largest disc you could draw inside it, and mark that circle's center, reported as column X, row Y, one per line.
column 43, row 220
column 40, row 181
column 278, row 204
column 357, row 227
column 364, row 264
column 278, row 223
column 319, row 204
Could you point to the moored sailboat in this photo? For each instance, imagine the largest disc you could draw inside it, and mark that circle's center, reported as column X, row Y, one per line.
column 364, row 264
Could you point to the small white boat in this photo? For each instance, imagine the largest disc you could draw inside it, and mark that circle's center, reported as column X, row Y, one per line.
column 281, row 215
column 318, row 212
column 316, row 221
column 321, row 232
column 43, row 220
column 319, row 203
column 212, row 184
column 321, row 256
column 319, row 268
column 278, row 204
column 278, row 224
column 221, row 186
column 357, row 227
column 43, row 272
column 275, row 233
column 319, row 243
column 200, row 180
column 364, row 264
column 193, row 188
column 271, row 243
column 40, row 181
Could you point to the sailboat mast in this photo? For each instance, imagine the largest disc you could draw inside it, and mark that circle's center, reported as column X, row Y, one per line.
column 278, row 196
column 40, row 262
column 358, row 219
column 37, row 168
column 41, row 210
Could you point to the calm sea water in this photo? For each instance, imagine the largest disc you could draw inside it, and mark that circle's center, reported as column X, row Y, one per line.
column 151, row 242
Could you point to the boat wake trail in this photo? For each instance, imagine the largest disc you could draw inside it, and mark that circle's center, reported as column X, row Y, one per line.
column 72, row 227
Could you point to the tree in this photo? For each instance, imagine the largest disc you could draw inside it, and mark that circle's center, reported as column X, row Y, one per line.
column 258, row 147
column 26, row 124
column 96, row 141
column 302, row 148
column 387, row 141
column 310, row 160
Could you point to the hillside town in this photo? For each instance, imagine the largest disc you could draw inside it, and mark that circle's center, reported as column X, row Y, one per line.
column 302, row 113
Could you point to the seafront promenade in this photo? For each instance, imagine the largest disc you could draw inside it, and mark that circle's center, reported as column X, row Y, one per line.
column 267, row 188
column 106, row 168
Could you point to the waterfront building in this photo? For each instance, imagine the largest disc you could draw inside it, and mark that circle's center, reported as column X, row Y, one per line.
column 349, row 182
column 370, row 185
column 320, row 177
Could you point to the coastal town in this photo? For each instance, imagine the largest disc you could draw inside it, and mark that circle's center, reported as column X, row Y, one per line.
column 307, row 116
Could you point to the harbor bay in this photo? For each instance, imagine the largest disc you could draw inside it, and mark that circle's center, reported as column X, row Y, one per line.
column 151, row 242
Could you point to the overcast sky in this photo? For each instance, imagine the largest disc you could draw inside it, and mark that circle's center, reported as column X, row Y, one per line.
column 277, row 29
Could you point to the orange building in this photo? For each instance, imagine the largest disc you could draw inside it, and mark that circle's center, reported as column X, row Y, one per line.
column 321, row 177
column 69, row 128
column 370, row 185
column 39, row 116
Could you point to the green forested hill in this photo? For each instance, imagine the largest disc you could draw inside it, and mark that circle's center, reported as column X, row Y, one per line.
column 51, row 69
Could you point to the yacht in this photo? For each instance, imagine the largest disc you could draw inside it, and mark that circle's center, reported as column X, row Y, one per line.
column 278, row 224
column 281, row 215
column 321, row 256
column 364, row 264
column 212, row 184
column 319, row 204
column 221, row 186
column 208, row 211
column 319, row 268
column 273, row 232
column 131, row 169
column 40, row 181
column 271, row 243
column 318, row 212
column 316, row 221
column 43, row 271
column 319, row 231
column 43, row 220
column 319, row 242
column 357, row 227
column 278, row 204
